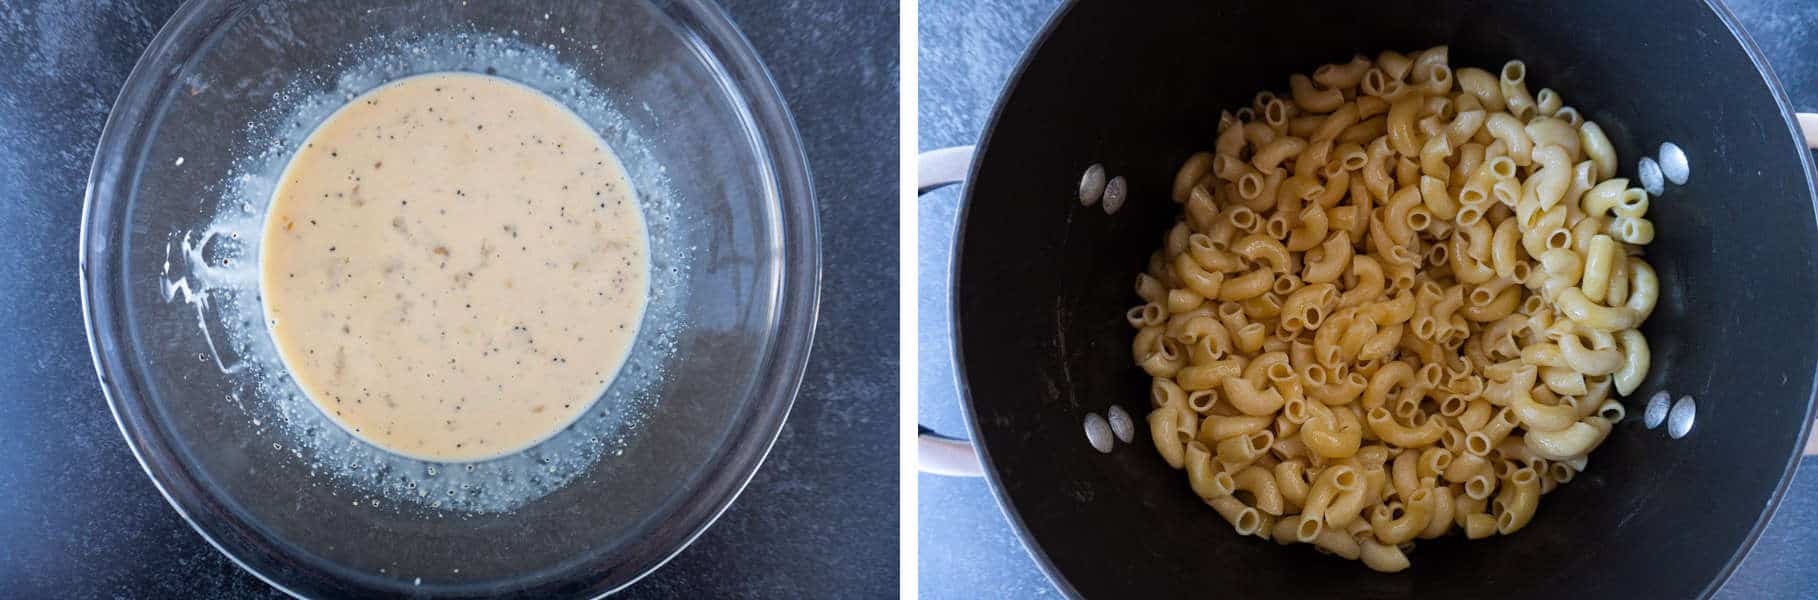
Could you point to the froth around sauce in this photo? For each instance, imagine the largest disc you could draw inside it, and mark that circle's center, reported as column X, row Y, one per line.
column 454, row 266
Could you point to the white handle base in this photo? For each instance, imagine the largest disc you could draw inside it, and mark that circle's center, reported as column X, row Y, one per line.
column 947, row 456
column 943, row 167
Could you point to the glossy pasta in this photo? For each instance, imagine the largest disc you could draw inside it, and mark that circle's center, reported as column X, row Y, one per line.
column 1395, row 307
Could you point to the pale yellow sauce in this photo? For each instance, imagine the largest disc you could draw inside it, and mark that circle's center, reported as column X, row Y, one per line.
column 454, row 267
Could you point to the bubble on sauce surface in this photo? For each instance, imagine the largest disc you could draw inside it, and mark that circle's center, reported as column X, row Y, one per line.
column 214, row 269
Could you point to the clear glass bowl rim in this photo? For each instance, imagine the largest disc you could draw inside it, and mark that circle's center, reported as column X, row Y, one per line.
column 770, row 127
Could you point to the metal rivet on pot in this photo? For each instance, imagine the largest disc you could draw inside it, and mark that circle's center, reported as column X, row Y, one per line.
column 1098, row 433
column 1114, row 194
column 1121, row 424
column 1657, row 409
column 1092, row 185
column 1651, row 180
column 1679, row 420
column 1673, row 163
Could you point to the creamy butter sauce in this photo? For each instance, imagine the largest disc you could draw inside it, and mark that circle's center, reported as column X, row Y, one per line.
column 454, row 266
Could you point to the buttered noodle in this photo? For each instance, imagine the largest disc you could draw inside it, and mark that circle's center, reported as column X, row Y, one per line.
column 1396, row 303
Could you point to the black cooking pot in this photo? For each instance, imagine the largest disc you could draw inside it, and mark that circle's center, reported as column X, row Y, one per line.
column 1041, row 284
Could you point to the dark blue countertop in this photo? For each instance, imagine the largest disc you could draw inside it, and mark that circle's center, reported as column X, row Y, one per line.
column 79, row 518
column 967, row 549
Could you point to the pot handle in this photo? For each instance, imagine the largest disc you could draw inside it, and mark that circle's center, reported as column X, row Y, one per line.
column 936, row 453
column 1808, row 124
column 936, row 169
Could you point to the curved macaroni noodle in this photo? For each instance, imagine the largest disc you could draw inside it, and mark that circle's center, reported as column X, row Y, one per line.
column 1395, row 305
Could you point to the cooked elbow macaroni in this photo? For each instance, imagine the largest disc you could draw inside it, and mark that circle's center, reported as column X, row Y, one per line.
column 1395, row 305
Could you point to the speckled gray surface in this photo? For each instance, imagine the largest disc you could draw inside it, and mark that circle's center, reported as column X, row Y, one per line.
column 967, row 549
column 78, row 518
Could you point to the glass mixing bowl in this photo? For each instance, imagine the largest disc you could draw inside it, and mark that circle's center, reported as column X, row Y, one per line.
column 183, row 173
